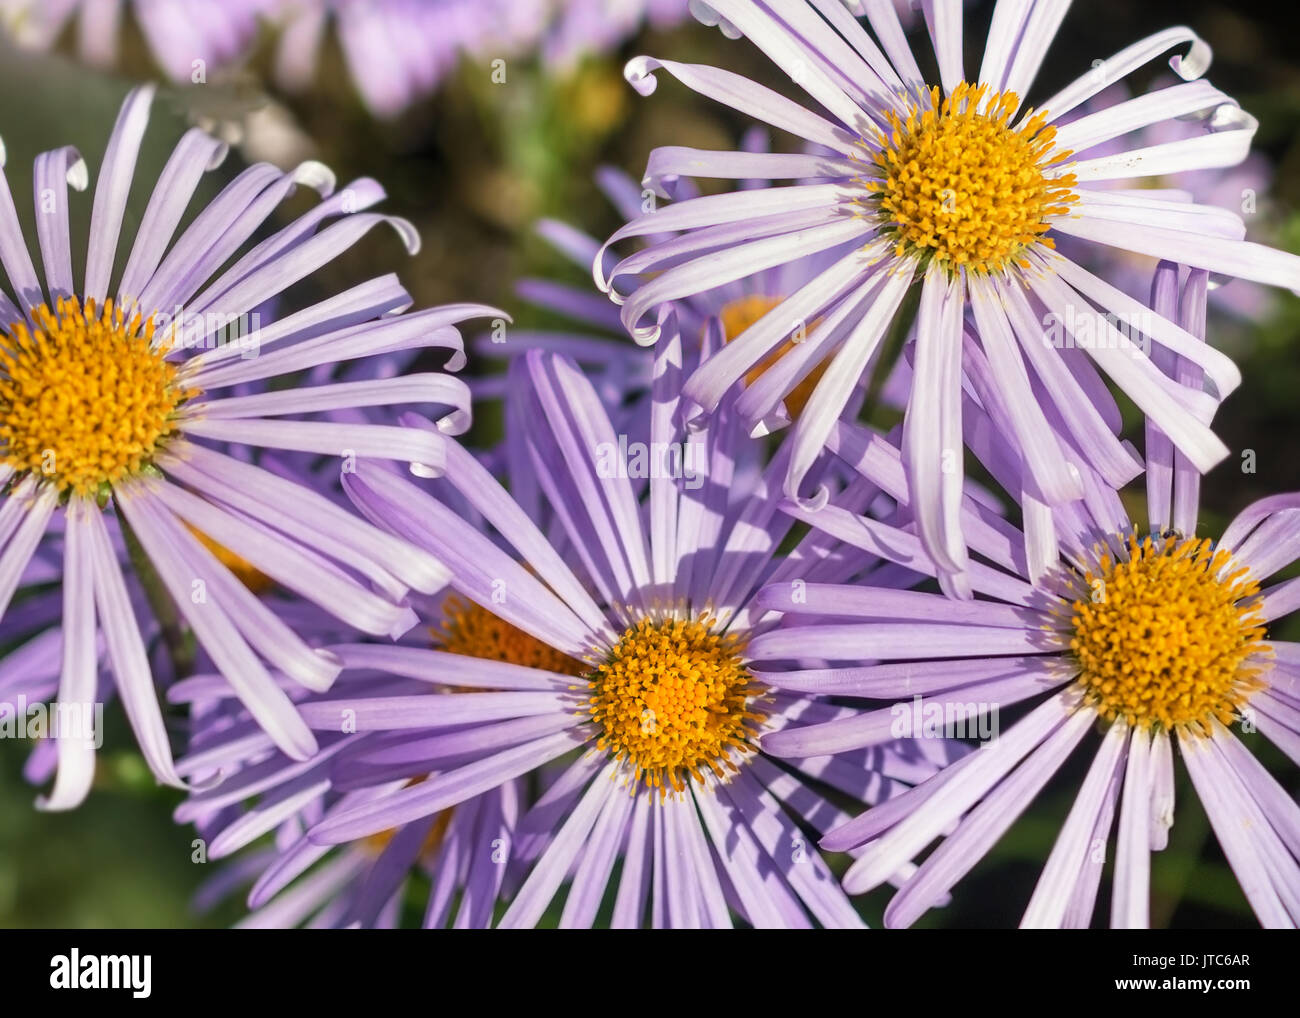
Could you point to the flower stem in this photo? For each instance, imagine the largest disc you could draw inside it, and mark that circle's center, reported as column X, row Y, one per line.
column 178, row 639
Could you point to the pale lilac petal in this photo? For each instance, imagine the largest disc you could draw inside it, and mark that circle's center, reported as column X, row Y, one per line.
column 744, row 96
column 52, row 175
column 23, row 518
column 421, row 449
column 217, row 634
column 944, row 20
column 195, row 154
column 1082, row 419
column 487, row 496
column 283, row 562
column 111, row 191
column 958, row 854
column 270, row 812
column 481, row 570
column 882, row 858
column 531, row 900
column 1130, row 906
column 634, row 881
column 1162, row 790
column 765, row 898
column 711, row 381
column 1213, row 783
column 670, row 162
column 842, row 376
column 576, row 440
column 789, row 53
column 76, row 749
column 428, row 711
column 805, row 869
column 126, row 653
column 443, row 790
column 932, row 447
column 307, row 515
column 1049, row 469
column 1031, row 46
column 1227, row 146
column 1074, row 852
column 14, row 255
column 1188, row 67
column 441, row 668
column 596, row 865
column 436, row 388
column 1237, row 258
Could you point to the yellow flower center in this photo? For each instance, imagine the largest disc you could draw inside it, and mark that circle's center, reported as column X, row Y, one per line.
column 86, row 399
column 673, row 698
column 474, row 631
column 743, row 312
column 956, row 182
column 1166, row 636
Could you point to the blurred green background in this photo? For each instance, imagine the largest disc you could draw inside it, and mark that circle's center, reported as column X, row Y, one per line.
column 473, row 167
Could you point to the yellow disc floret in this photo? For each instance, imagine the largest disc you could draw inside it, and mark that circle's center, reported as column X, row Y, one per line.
column 957, row 182
column 1169, row 635
column 86, row 398
column 674, row 698
column 472, row 630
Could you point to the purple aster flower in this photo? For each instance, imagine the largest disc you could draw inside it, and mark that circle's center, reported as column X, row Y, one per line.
column 246, row 789
column 116, row 435
column 398, row 51
column 981, row 252
column 576, row 28
column 1159, row 639
column 620, row 630
column 33, row 626
column 186, row 37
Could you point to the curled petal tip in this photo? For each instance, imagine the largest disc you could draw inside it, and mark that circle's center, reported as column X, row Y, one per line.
column 316, row 175
column 639, row 73
column 815, row 502
column 407, row 231
column 647, row 335
column 425, row 470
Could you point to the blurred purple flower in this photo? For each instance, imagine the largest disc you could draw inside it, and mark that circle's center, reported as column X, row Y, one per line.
column 179, row 32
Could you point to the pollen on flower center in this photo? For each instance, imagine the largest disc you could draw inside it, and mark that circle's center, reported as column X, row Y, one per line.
column 958, row 183
column 86, row 399
column 472, row 630
column 1168, row 636
column 739, row 315
column 673, row 698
